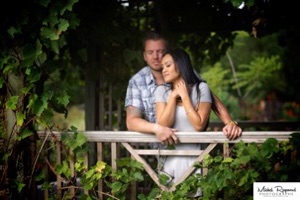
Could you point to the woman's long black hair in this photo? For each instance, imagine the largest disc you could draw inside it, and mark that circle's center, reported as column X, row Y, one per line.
column 183, row 63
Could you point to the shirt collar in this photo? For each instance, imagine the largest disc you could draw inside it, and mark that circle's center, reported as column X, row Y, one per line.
column 150, row 78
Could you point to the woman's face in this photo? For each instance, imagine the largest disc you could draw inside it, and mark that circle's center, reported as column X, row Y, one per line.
column 169, row 71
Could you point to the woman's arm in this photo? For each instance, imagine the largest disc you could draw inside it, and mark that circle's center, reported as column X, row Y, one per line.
column 199, row 116
column 165, row 113
column 165, row 110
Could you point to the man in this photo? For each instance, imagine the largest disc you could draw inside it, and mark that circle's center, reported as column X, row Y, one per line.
column 139, row 102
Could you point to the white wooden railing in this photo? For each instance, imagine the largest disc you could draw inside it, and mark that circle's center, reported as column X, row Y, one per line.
column 130, row 139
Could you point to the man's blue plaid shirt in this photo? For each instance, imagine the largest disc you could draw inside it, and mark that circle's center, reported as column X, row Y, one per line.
column 140, row 93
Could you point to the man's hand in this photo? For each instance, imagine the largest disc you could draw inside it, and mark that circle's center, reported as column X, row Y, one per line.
column 166, row 135
column 232, row 131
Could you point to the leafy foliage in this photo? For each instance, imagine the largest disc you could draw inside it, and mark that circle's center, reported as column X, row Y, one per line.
column 260, row 74
column 77, row 176
column 271, row 161
column 31, row 56
column 268, row 162
column 219, row 83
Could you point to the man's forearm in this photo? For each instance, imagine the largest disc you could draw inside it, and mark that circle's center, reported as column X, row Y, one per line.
column 231, row 128
column 140, row 125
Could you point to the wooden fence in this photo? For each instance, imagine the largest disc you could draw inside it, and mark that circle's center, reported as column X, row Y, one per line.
column 131, row 141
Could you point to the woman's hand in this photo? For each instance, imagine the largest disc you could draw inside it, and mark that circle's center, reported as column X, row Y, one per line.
column 181, row 89
column 174, row 94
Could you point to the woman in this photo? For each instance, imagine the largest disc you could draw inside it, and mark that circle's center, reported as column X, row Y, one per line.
column 183, row 103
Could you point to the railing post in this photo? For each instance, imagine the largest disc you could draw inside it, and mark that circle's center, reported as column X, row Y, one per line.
column 46, row 168
column 58, row 181
column 133, row 188
column 226, row 150
column 72, row 190
column 113, row 155
column 86, row 162
column 100, row 157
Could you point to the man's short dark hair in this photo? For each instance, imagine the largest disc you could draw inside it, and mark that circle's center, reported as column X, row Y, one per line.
column 152, row 35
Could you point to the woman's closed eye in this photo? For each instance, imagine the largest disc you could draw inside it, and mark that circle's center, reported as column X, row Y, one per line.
column 165, row 66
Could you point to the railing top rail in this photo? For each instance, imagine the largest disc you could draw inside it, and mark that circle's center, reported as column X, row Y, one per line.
column 184, row 137
column 270, row 125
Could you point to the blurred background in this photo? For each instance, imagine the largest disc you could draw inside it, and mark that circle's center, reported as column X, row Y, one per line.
column 246, row 50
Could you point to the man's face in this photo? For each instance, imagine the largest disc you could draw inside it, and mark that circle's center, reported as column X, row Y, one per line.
column 154, row 50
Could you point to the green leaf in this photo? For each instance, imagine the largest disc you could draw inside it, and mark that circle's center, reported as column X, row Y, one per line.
column 227, row 160
column 42, row 122
column 49, row 33
column 28, row 52
column 58, row 168
column 63, row 25
column 5, row 156
column 12, row 102
column 42, row 58
column 218, row 159
column 26, row 90
column 46, row 185
column 73, row 129
column 34, row 75
column 138, row 176
column 39, row 106
column 20, row 118
column 89, row 173
column 208, row 159
column 79, row 141
column 269, row 147
column 40, row 176
column 45, row 3
column 244, row 179
column 66, row 170
column 116, row 186
column 88, row 186
column 163, row 179
column 1, row 81
column 79, row 166
column 9, row 68
column 24, row 134
column 100, row 166
column 63, row 99
column 12, row 31
column 20, row 186
column 54, row 46
column 68, row 6
column 244, row 159
column 80, row 153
